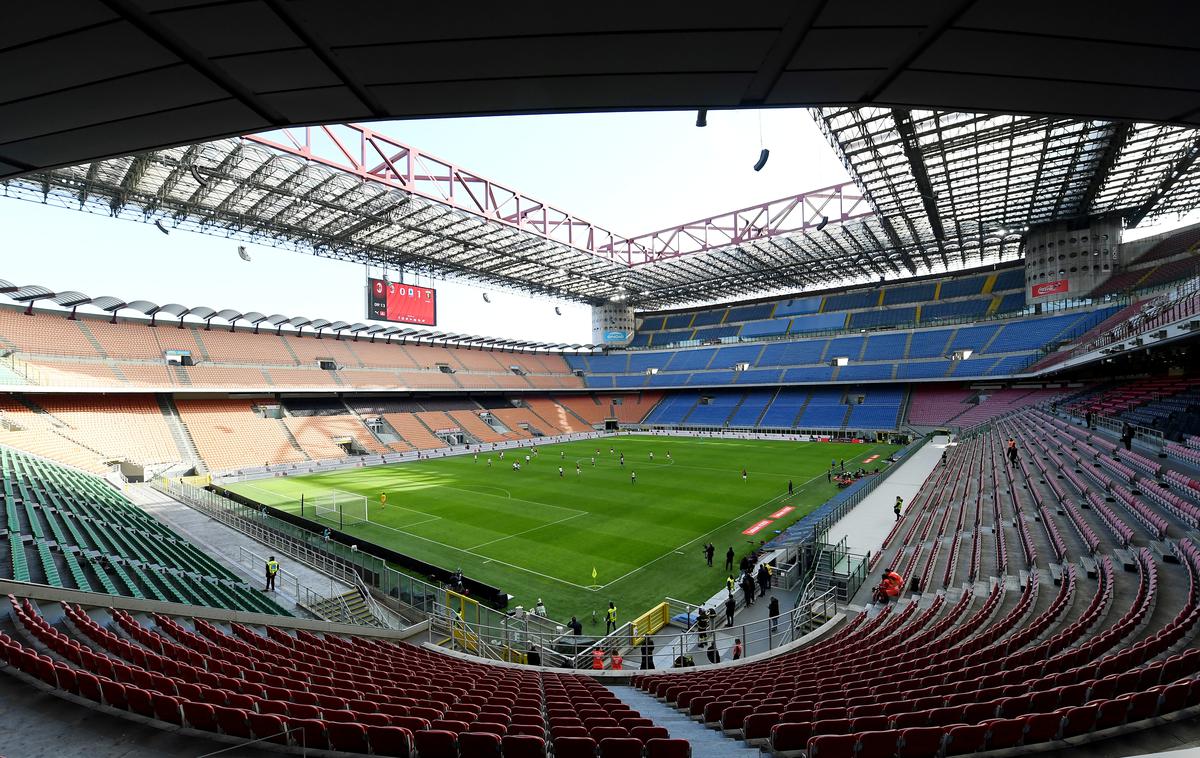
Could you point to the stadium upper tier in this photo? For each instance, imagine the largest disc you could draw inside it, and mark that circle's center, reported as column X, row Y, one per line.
column 999, row 349
column 92, row 351
column 931, row 301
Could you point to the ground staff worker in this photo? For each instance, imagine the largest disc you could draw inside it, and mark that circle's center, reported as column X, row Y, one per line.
column 272, row 571
column 610, row 618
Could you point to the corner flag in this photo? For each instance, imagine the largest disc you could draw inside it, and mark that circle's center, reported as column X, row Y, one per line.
column 593, row 572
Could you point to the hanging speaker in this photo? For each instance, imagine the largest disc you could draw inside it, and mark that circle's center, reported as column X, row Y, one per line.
column 196, row 175
column 486, row 299
column 702, row 117
column 557, row 311
column 762, row 159
column 243, row 254
column 161, row 226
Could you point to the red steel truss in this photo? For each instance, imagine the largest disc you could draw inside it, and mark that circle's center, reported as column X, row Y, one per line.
column 372, row 156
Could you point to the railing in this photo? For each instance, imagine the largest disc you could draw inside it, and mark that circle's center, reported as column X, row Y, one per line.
column 1152, row 438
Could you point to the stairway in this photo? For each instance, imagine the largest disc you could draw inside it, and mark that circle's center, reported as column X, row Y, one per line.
column 292, row 439
column 200, row 344
column 179, row 432
column 349, row 608
column 705, row 742
column 180, row 374
column 92, row 339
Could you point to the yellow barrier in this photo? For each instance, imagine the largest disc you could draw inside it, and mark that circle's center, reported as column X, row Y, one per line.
column 650, row 622
column 197, row 481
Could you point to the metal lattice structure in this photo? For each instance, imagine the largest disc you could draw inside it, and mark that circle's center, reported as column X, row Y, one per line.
column 933, row 192
column 961, row 188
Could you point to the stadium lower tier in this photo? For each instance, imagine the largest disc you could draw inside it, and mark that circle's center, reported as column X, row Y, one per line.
column 65, row 528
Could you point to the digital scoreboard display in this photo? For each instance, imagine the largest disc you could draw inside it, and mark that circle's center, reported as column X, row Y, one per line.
column 401, row 303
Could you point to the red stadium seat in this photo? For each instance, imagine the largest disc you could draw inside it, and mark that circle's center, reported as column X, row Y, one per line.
column 310, row 733
column 267, row 726
column 620, row 747
column 962, row 739
column 832, row 746
column 877, row 744
column 392, row 741
column 200, row 716
column 522, row 746
column 647, row 733
column 658, row 747
column 233, row 721
column 575, row 747
column 920, row 742
column 436, row 744
column 347, row 737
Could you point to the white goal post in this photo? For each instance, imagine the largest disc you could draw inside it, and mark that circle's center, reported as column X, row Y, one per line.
column 336, row 508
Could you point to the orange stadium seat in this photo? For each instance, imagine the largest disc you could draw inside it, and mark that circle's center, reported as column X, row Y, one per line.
column 229, row 435
column 415, row 433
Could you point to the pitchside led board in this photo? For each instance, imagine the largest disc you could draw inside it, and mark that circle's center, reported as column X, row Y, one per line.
column 402, row 303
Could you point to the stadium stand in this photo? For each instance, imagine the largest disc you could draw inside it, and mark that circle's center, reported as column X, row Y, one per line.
column 230, row 434
column 68, row 529
column 995, row 678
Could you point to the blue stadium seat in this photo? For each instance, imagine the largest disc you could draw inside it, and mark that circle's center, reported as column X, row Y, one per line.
column 972, row 337
column 883, row 317
column 820, row 322
column 759, row 376
column 850, row 300
column 716, row 332
column 844, row 347
column 974, row 308
column 639, row 362
column 792, row 353
column 885, row 347
column 808, row 374
column 970, row 285
column 678, row 320
column 652, row 324
column 865, row 372
column 709, row 318
column 690, row 360
column 771, row 328
column 673, row 408
column 782, row 412
column 922, row 370
column 727, row 356
column 617, row 363
column 1010, row 279
column 641, row 339
column 929, row 344
column 1013, row 301
column 667, row 380
column 752, row 407
column 604, row 382
column 873, row 416
column 708, row 378
column 750, row 313
column 798, row 306
column 1011, row 364
column 576, row 362
column 1030, row 334
column 716, row 413
column 667, row 338
column 913, row 293
column 822, row 416
column 628, row 381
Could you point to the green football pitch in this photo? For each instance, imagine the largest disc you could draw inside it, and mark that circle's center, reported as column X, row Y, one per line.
column 535, row 533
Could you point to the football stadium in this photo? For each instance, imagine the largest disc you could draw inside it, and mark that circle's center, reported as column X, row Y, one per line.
column 892, row 451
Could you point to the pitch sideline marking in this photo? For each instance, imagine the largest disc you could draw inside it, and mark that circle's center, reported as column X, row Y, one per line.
column 722, row 526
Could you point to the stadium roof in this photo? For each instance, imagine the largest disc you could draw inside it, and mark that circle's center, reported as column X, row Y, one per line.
column 96, row 78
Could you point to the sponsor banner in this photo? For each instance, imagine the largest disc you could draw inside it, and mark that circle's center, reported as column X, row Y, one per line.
column 1056, row 287
column 757, row 527
column 782, row 512
column 616, row 336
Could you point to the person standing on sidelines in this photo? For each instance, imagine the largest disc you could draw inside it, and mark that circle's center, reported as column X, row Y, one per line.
column 709, row 550
column 730, row 609
column 610, row 618
column 896, row 508
column 764, row 579
column 272, row 571
column 789, row 487
column 773, row 612
column 383, row 500
column 729, row 559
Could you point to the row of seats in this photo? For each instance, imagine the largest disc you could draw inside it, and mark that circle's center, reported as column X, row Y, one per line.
column 997, row 350
column 869, row 308
column 68, row 529
column 786, row 408
column 299, row 690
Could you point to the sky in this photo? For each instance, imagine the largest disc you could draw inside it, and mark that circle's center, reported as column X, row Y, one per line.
column 630, row 172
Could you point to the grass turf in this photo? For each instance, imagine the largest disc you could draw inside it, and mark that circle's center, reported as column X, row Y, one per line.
column 536, row 534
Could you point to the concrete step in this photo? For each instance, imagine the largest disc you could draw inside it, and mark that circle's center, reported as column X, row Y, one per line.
column 705, row 742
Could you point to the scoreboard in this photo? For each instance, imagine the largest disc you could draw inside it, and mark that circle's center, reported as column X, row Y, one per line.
column 402, row 303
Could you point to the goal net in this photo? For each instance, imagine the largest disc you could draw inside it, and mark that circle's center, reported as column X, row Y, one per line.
column 336, row 508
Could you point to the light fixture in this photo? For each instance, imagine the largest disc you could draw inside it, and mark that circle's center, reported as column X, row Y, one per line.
column 161, row 226
column 821, row 224
column 762, row 159
column 702, row 117
column 243, row 254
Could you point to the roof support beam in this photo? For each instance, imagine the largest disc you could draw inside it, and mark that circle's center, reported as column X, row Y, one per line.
column 1112, row 148
column 1190, row 154
column 782, row 50
column 912, row 151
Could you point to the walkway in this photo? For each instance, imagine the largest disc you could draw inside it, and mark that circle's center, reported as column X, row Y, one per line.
column 241, row 554
column 706, row 743
column 868, row 523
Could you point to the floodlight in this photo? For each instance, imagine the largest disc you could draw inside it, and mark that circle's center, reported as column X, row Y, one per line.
column 762, row 159
column 161, row 226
